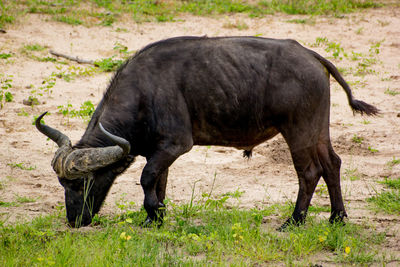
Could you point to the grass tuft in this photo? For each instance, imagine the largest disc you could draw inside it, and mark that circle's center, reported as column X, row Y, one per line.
column 389, row 199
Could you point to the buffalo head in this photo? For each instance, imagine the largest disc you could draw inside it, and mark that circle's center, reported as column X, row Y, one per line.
column 85, row 173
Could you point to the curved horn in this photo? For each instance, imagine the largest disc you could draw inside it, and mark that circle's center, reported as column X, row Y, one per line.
column 121, row 142
column 55, row 135
column 86, row 160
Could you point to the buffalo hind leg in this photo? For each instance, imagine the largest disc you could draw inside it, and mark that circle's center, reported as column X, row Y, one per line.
column 309, row 171
column 331, row 162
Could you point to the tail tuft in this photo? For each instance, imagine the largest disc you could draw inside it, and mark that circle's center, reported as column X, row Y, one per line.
column 361, row 107
column 247, row 154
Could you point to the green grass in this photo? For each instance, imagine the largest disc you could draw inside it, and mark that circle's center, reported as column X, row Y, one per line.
column 8, row 204
column 352, row 174
column 5, row 87
column 317, row 7
column 193, row 234
column 108, row 64
column 391, row 92
column 85, row 112
column 105, row 13
column 389, row 199
column 357, row 139
column 7, row 12
column 393, row 162
column 23, row 199
column 72, row 20
column 34, row 47
column 22, row 166
column 5, row 55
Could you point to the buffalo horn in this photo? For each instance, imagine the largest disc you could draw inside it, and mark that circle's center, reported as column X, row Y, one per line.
column 86, row 160
column 55, row 135
column 121, row 142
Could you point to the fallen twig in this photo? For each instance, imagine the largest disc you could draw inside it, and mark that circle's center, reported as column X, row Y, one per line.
column 72, row 58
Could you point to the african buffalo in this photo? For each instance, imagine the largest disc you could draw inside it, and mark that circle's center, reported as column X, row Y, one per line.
column 185, row 91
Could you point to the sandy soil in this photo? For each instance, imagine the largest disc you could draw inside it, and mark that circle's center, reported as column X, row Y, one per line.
column 268, row 177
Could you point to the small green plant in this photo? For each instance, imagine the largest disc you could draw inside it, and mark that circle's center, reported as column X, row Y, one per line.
column 373, row 150
column 7, row 13
column 364, row 121
column 356, row 56
column 393, row 162
column 5, row 86
column 309, row 21
column 22, row 166
column 46, row 87
column 23, row 199
column 22, row 112
column 72, row 20
column 357, row 139
column 48, row 84
column 34, row 47
column 391, row 92
column 71, row 72
column 392, row 183
column 388, row 200
column 336, row 50
column 32, row 100
column 121, row 30
column 238, row 24
column 352, row 174
column 8, row 204
column 122, row 50
column 383, row 23
column 108, row 20
column 85, row 112
column 321, row 189
column 108, row 64
column 297, row 21
column 5, row 55
column 319, row 41
column 45, row 59
column 367, row 61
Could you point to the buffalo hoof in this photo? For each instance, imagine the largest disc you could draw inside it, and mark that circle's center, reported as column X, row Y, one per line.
column 157, row 218
column 338, row 217
column 150, row 223
column 147, row 223
column 290, row 222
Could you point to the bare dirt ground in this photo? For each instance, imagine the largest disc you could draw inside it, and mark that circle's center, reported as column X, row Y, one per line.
column 268, row 177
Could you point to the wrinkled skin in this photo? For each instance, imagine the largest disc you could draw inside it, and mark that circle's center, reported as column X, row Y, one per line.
column 236, row 92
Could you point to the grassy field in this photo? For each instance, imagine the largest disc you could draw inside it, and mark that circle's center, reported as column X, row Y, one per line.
column 207, row 232
column 210, row 230
column 102, row 12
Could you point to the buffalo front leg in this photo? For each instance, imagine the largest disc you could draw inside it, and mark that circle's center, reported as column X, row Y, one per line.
column 160, row 209
column 154, row 181
column 160, row 191
column 309, row 172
